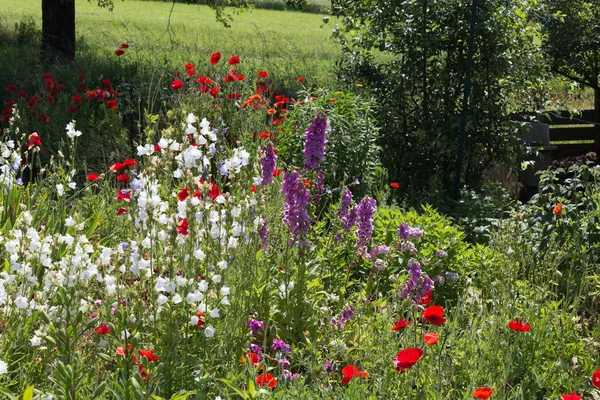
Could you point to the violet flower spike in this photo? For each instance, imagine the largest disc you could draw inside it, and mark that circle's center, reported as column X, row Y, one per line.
column 268, row 163
column 364, row 226
column 314, row 147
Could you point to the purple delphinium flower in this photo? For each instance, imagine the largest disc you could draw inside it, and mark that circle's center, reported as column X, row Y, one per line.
column 255, row 325
column 280, row 345
column 346, row 315
column 452, row 276
column 415, row 275
column 381, row 249
column 406, row 232
column 349, row 220
column 403, row 231
column 268, row 164
column 364, row 226
column 346, row 202
column 316, row 137
column 441, row 254
column 263, row 233
column 327, row 366
column 283, row 363
column 295, row 213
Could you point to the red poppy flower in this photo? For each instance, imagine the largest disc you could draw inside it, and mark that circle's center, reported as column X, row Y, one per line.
column 215, row 58
column 182, row 226
column 400, row 325
column 350, row 372
column 301, row 79
column 92, row 177
column 189, row 66
column 234, row 60
column 124, row 195
column 571, row 396
column 483, row 393
column 277, row 172
column 111, row 104
column 129, row 163
column 518, row 326
column 434, row 315
column 50, row 99
column 34, row 140
column 102, row 329
column 149, row 354
column 123, row 178
column 22, row 95
column 72, row 109
column 214, row 192
column 596, row 379
column 557, row 210
column 425, row 298
column 252, row 357
column 11, row 88
column 214, row 91
column 121, row 351
column 119, row 52
column 407, row 358
column 177, row 84
column 266, row 380
column 117, row 167
column 263, row 74
column 122, row 211
column 45, row 118
column 47, row 75
column 124, row 46
column 190, row 72
column 265, row 135
column 277, row 122
column 431, row 338
column 394, row 185
column 253, row 188
column 183, row 194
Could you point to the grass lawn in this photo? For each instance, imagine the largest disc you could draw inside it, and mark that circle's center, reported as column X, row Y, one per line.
column 294, row 43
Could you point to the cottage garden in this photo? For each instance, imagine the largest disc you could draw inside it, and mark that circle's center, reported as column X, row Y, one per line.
column 240, row 244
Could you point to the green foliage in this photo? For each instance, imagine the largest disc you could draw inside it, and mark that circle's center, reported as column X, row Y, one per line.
column 413, row 57
column 351, row 152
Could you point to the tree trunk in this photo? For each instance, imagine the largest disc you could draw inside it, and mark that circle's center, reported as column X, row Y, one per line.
column 58, row 31
column 597, row 119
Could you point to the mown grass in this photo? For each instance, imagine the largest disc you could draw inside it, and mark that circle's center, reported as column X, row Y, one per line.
column 290, row 43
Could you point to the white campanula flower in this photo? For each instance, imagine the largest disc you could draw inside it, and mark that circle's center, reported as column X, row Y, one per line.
column 221, row 199
column 215, row 313
column 194, row 297
column 225, row 301
column 69, row 221
column 194, row 320
column 224, row 291
column 162, row 299
column 216, row 278
column 3, row 367
column 35, row 341
column 72, row 185
column 177, row 299
column 21, row 302
column 222, row 264
column 209, row 331
column 233, row 243
column 163, row 143
column 60, row 189
column 71, row 132
column 203, row 286
column 199, row 254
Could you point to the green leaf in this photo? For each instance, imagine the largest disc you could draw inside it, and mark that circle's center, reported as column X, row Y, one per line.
column 28, row 394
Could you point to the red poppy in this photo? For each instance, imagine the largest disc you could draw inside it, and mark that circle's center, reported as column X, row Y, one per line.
column 102, row 329
column 571, row 396
column 121, row 351
column 124, row 46
column 81, row 77
column 34, row 140
column 301, row 79
column 92, row 177
column 266, row 380
column 183, row 194
column 45, row 118
column 233, row 96
column 149, row 354
column 111, row 104
column 234, row 60
column 557, row 210
column 124, row 195
column 72, row 109
column 350, row 372
column 518, row 326
column 394, row 185
column 214, row 91
column 190, row 72
column 117, row 167
column 425, row 298
column 265, row 135
column 400, row 325
column 182, row 226
column 277, row 172
column 434, row 315
column 407, row 358
column 483, row 393
column 22, row 95
column 177, row 84
column 431, row 338
column 47, row 75
column 252, row 357
column 123, row 178
column 277, row 122
column 76, row 99
column 596, row 379
column 50, row 99
column 214, row 192
column 189, row 66
column 122, row 211
column 11, row 88
column 215, row 58
column 263, row 74
column 119, row 52
column 253, row 188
